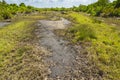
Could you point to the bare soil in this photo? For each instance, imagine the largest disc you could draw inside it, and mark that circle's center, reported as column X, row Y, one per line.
column 65, row 61
column 2, row 24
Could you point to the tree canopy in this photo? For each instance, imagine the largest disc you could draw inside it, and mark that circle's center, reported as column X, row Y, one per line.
column 101, row 8
column 8, row 10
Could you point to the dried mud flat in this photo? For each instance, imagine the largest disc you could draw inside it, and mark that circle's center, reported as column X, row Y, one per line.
column 65, row 61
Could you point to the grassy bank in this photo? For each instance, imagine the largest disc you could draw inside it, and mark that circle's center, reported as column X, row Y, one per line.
column 12, row 44
column 20, row 57
column 102, row 43
column 11, row 35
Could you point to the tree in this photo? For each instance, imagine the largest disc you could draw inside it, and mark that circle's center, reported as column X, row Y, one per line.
column 117, row 4
column 3, row 1
column 82, row 8
column 22, row 5
column 22, row 8
column 103, row 2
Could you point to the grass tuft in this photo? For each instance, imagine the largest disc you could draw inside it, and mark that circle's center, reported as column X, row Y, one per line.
column 83, row 32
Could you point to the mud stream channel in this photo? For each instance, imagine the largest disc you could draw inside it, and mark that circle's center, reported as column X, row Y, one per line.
column 62, row 60
column 2, row 24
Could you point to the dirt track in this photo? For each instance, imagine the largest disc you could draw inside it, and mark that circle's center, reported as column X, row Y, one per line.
column 65, row 61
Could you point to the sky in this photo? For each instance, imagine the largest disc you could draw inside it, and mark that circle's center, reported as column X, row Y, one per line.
column 52, row 3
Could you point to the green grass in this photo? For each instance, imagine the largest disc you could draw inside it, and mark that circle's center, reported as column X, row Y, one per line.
column 11, row 40
column 21, row 58
column 82, row 32
column 105, row 43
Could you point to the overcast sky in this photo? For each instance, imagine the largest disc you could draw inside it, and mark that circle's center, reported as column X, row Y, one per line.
column 52, row 3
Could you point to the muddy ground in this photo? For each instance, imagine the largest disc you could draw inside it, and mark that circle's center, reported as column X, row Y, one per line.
column 65, row 61
column 51, row 58
column 4, row 24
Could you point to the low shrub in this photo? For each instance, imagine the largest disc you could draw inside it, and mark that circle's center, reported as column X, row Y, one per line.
column 83, row 32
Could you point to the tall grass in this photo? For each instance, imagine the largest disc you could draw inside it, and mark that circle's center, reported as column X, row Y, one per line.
column 83, row 32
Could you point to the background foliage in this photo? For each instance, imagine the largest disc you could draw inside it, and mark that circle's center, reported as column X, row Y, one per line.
column 8, row 10
column 101, row 8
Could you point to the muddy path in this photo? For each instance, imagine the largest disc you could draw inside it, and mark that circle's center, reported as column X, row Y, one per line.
column 64, row 61
column 2, row 24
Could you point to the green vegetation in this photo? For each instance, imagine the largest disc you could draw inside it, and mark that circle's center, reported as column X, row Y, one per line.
column 19, row 54
column 101, row 8
column 10, row 37
column 7, row 11
column 82, row 32
column 101, row 41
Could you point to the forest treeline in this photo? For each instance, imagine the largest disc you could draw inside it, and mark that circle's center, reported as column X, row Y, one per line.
column 7, row 11
column 103, row 8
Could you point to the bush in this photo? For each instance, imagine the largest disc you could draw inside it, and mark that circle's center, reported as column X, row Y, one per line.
column 83, row 32
column 1, row 18
column 96, row 21
column 6, row 15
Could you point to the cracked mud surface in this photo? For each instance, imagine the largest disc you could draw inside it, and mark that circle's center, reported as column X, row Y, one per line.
column 65, row 61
